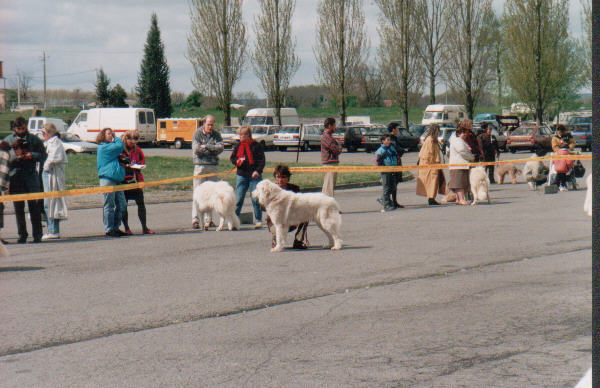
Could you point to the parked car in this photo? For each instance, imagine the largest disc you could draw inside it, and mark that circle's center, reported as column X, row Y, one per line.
column 230, row 135
column 582, row 134
column 443, row 138
column 264, row 134
column 418, row 129
column 339, row 134
column 484, row 117
column 306, row 137
column 372, row 136
column 74, row 145
column 353, row 138
column 408, row 140
column 530, row 137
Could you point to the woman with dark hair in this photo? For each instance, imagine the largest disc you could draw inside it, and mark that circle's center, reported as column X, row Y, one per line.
column 111, row 173
column 133, row 173
column 460, row 153
column 249, row 158
column 430, row 181
column 53, row 178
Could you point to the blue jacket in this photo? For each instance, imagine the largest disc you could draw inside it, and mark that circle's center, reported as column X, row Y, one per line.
column 108, row 161
column 386, row 156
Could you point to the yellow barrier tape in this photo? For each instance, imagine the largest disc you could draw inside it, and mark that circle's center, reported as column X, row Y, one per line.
column 315, row 169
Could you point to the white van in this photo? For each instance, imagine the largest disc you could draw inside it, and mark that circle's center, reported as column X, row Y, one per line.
column 307, row 137
column 443, row 114
column 36, row 124
column 90, row 122
column 266, row 116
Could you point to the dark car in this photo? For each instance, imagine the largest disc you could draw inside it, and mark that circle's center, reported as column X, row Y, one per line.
column 353, row 138
column 533, row 138
column 418, row 129
column 408, row 140
column 339, row 135
column 372, row 135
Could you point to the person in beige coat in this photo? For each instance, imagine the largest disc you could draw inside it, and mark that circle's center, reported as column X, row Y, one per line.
column 430, row 181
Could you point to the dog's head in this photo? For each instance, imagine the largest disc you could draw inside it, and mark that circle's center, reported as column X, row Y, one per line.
column 265, row 191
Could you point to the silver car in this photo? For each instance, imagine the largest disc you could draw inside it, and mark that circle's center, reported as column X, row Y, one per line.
column 74, row 145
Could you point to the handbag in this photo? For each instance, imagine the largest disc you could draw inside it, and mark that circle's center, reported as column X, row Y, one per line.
column 578, row 169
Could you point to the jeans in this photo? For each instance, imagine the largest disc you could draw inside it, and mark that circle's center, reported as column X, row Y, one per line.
column 114, row 205
column 388, row 195
column 242, row 184
column 53, row 223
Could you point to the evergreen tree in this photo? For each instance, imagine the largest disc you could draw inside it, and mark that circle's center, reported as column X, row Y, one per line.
column 153, row 88
column 102, row 92
column 118, row 96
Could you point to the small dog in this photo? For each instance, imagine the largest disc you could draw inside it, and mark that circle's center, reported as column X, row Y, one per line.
column 480, row 184
column 536, row 173
column 217, row 196
column 587, row 205
column 510, row 169
column 286, row 208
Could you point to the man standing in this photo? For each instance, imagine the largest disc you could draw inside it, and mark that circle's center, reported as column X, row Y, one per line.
column 206, row 147
column 488, row 144
column 27, row 150
column 330, row 151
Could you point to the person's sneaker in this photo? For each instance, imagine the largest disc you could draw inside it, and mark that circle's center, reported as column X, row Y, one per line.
column 128, row 232
column 22, row 240
column 432, row 201
column 120, row 232
column 398, row 206
column 299, row 245
column 37, row 240
column 148, row 231
column 562, row 188
column 387, row 209
column 195, row 225
column 258, row 225
column 50, row 236
column 112, row 233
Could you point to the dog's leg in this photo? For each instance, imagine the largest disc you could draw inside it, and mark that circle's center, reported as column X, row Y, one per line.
column 488, row 196
column 280, row 232
column 501, row 177
column 325, row 230
column 236, row 221
column 337, row 241
column 221, row 223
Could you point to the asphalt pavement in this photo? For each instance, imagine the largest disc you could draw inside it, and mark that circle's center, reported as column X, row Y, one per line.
column 490, row 295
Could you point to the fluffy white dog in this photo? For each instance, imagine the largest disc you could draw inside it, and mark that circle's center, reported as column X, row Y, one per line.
column 480, row 184
column 536, row 173
column 587, row 205
column 217, row 196
column 287, row 208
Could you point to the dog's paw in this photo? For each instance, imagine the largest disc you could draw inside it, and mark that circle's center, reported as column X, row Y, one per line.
column 277, row 249
column 220, row 229
column 336, row 247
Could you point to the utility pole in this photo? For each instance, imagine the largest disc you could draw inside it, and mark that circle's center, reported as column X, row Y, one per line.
column 44, row 61
column 18, row 89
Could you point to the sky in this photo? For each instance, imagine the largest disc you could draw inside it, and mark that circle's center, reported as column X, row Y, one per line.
column 80, row 36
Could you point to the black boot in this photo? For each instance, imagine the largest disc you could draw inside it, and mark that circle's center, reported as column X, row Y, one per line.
column 432, row 201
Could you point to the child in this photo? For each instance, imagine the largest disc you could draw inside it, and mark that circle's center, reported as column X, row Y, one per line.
column 387, row 156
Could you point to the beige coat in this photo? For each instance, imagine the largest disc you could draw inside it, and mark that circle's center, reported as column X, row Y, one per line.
column 430, row 182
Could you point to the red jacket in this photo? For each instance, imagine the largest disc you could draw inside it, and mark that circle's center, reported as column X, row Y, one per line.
column 563, row 166
column 136, row 156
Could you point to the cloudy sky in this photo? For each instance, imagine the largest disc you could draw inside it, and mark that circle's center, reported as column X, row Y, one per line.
column 79, row 36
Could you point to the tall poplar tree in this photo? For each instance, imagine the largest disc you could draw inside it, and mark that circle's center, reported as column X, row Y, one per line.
column 153, row 88
column 102, row 91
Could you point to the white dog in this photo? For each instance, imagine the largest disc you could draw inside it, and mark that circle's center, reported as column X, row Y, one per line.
column 480, row 184
column 217, row 196
column 587, row 205
column 287, row 208
column 536, row 173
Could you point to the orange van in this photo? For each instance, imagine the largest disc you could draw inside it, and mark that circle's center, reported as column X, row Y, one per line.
column 176, row 131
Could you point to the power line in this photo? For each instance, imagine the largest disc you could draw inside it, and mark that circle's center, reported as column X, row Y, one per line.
column 55, row 75
column 80, row 51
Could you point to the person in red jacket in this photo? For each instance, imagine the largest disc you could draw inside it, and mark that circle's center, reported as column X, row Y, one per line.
column 133, row 159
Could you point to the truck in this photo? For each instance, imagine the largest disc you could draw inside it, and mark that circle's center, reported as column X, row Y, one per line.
column 90, row 122
column 443, row 114
column 176, row 131
column 36, row 124
column 266, row 116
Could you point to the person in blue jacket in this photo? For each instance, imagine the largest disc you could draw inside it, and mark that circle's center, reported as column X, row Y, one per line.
column 111, row 173
column 387, row 155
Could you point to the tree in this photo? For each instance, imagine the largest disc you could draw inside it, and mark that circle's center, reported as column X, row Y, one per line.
column 216, row 48
column 431, row 18
column 153, row 88
column 23, row 85
column 469, row 52
column 400, row 62
column 542, row 66
column 194, row 99
column 498, row 51
column 117, row 96
column 102, row 91
column 273, row 59
column 341, row 43
column 586, row 41
column 370, row 82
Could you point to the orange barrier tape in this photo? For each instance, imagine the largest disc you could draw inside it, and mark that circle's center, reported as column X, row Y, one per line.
column 315, row 169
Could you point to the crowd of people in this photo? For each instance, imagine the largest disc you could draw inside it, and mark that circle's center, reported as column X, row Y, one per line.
column 28, row 165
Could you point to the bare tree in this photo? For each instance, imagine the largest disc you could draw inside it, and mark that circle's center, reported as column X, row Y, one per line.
column 273, row 59
column 22, row 82
column 370, row 83
column 497, row 42
column 400, row 62
column 431, row 18
column 216, row 48
column 341, row 42
column 469, row 52
column 541, row 62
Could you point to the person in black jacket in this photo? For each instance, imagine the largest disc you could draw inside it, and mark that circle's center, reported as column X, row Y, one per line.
column 393, row 128
column 249, row 158
column 488, row 144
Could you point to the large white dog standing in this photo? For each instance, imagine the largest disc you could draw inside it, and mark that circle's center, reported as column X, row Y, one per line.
column 287, row 208
column 217, row 196
column 480, row 184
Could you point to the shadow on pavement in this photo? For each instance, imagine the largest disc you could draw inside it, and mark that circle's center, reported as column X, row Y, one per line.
column 20, row 269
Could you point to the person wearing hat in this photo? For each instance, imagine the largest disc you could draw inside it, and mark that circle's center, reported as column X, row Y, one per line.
column 488, row 144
